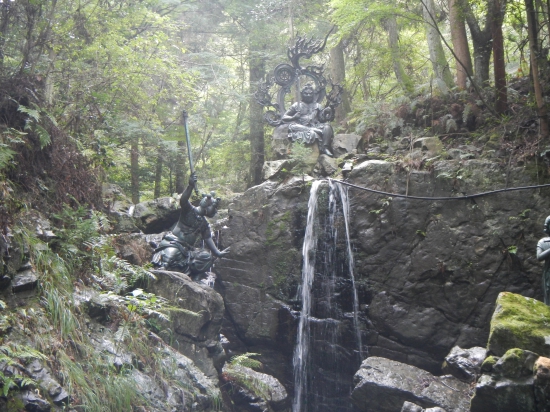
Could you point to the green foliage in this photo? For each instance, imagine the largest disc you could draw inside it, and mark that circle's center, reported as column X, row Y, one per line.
column 234, row 371
column 11, row 355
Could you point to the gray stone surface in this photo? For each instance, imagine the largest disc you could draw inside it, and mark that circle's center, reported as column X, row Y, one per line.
column 195, row 331
column 157, row 215
column 24, row 281
column 465, row 364
column 343, row 144
column 498, row 393
column 428, row 273
column 272, row 169
column 383, row 385
column 326, row 165
column 252, row 388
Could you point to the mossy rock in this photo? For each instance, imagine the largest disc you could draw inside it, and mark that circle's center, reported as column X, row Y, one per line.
column 519, row 322
column 516, row 363
column 488, row 364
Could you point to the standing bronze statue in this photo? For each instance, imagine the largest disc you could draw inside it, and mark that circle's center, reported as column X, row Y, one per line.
column 307, row 121
column 543, row 253
column 178, row 249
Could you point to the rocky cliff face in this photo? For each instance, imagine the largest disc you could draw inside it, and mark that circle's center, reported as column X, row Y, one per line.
column 428, row 272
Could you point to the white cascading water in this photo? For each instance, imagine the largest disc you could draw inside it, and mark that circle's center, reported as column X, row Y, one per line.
column 328, row 253
column 343, row 192
column 302, row 340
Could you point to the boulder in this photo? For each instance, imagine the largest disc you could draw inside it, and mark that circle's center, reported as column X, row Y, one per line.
column 464, row 364
column 498, row 393
column 343, row 144
column 326, row 165
column 519, row 322
column 194, row 330
column 516, row 363
column 157, row 215
column 383, row 385
column 252, row 389
column 273, row 169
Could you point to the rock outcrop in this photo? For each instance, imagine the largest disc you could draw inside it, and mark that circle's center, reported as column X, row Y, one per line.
column 383, row 385
column 519, row 322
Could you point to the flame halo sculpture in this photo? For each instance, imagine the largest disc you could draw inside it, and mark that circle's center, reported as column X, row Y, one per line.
column 287, row 75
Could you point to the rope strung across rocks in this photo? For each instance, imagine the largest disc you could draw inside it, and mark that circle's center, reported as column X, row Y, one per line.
column 511, row 189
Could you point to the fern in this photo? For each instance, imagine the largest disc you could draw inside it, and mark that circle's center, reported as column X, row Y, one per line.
column 43, row 136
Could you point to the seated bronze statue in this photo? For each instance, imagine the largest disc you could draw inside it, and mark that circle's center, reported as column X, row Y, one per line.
column 177, row 251
column 306, row 122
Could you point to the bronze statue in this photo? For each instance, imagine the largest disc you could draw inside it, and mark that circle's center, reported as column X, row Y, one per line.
column 307, row 121
column 543, row 253
column 177, row 249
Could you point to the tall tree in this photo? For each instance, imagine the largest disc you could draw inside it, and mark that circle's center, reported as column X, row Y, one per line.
column 338, row 74
column 499, row 65
column 534, row 52
column 481, row 38
column 390, row 24
column 437, row 54
column 257, row 145
column 460, row 43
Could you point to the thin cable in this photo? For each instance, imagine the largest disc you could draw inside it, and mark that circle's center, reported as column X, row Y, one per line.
column 511, row 189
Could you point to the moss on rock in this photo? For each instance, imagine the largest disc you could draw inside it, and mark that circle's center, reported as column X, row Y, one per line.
column 519, row 322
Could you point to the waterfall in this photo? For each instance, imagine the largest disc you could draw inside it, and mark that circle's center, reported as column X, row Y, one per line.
column 308, row 267
column 343, row 192
column 327, row 351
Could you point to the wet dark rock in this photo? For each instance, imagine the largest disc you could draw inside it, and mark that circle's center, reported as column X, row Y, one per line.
column 33, row 402
column 498, row 393
column 47, row 383
column 465, row 364
column 24, row 281
column 383, row 385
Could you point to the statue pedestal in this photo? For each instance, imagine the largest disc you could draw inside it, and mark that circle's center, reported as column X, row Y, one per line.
column 281, row 148
column 280, row 144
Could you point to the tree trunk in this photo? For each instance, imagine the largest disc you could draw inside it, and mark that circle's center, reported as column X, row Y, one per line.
column 437, row 54
column 256, row 120
column 533, row 51
column 338, row 74
column 481, row 40
column 180, row 166
column 134, row 170
column 158, row 170
column 499, row 65
column 393, row 43
column 460, row 44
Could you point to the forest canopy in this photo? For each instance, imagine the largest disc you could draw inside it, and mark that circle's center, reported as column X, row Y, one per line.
column 113, row 77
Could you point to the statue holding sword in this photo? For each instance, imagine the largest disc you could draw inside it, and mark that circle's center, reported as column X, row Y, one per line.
column 177, row 251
